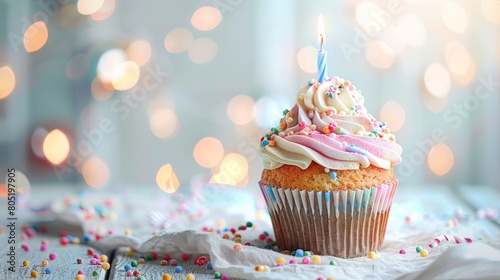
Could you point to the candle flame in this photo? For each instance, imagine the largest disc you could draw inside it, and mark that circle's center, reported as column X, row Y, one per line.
column 321, row 30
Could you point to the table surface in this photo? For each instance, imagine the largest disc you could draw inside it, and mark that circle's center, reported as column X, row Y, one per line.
column 411, row 202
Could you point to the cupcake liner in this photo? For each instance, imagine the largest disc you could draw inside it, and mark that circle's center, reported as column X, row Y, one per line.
column 344, row 224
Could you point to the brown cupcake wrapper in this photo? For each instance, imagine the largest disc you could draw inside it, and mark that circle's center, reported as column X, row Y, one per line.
column 344, row 224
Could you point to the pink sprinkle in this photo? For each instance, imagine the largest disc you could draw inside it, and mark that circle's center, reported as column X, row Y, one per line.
column 81, row 272
column 306, row 260
column 52, row 256
column 110, row 232
column 98, row 237
column 205, row 228
column 302, row 124
column 130, row 273
column 173, row 262
column 280, row 264
column 44, row 247
column 402, row 252
column 24, row 237
column 25, row 247
column 64, row 241
column 224, row 277
column 321, row 278
column 96, row 256
column 91, row 232
column 293, row 261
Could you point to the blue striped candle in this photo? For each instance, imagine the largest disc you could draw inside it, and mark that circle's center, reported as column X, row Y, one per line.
column 322, row 54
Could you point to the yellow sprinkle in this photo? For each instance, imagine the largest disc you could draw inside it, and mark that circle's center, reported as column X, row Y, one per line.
column 289, row 120
column 141, row 260
column 330, row 278
column 372, row 255
column 316, row 259
column 326, row 130
column 259, row 268
column 190, row 277
column 282, row 126
column 313, row 127
column 128, row 232
column 34, row 274
column 130, row 253
column 166, row 276
column 26, row 263
column 80, row 277
column 45, row 263
column 424, row 253
column 280, row 260
column 104, row 258
column 76, row 240
column 105, row 265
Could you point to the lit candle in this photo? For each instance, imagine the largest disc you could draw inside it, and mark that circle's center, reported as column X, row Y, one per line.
column 322, row 55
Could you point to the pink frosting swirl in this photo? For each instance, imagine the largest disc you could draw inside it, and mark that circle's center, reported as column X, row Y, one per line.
column 334, row 135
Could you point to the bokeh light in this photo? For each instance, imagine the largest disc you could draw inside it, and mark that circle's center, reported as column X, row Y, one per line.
column 393, row 114
column 306, row 58
column 35, row 36
column 208, row 152
column 56, row 146
column 235, row 166
column 163, row 123
column 391, row 36
column 433, row 103
column 364, row 16
column 95, row 172
column 178, row 40
column 4, row 191
column 139, row 51
column 88, row 7
column 106, row 10
column 437, row 80
column 7, row 81
column 411, row 30
column 37, row 139
column 454, row 17
column 78, row 67
column 159, row 103
column 241, row 109
column 206, row 18
column 459, row 62
column 125, row 75
column 99, row 91
column 491, row 10
column 440, row 159
column 202, row 50
column 379, row 54
column 107, row 64
column 166, row 179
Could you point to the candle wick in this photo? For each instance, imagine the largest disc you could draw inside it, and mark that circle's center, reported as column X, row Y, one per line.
column 321, row 41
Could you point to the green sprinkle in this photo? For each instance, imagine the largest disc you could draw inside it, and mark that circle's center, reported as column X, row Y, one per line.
column 285, row 111
column 149, row 256
column 307, row 253
column 332, row 262
column 95, row 273
column 275, row 130
column 338, row 129
column 249, row 224
column 217, row 275
column 418, row 249
column 292, row 253
column 133, row 264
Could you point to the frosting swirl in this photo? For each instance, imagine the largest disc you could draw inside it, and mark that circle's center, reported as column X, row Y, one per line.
column 330, row 125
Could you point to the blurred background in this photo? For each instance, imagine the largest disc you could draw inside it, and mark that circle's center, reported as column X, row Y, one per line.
column 155, row 93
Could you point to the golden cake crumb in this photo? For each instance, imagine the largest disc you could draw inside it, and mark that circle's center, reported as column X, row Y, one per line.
column 315, row 178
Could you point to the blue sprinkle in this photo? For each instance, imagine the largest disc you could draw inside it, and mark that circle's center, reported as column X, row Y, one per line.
column 265, row 233
column 209, row 266
column 86, row 238
column 48, row 271
column 267, row 135
column 353, row 149
column 265, row 143
column 310, row 83
column 127, row 267
column 299, row 253
column 178, row 269
column 333, row 175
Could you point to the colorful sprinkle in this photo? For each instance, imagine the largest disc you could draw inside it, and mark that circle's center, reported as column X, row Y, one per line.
column 34, row 274
column 372, row 255
column 178, row 269
column 333, row 175
column 424, row 253
column 129, row 273
column 299, row 253
column 137, row 273
column 81, row 271
column 166, row 276
column 173, row 262
column 402, row 252
column 26, row 263
column 127, row 267
column 292, row 261
column 332, row 262
column 280, row 260
column 224, row 277
column 217, row 275
column 133, row 264
column 52, row 256
column 48, row 271
column 105, row 265
column 306, row 260
column 80, row 277
column 418, row 249
column 45, row 262
column 316, row 259
column 237, row 247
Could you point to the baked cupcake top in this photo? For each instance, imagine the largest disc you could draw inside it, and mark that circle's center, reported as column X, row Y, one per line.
column 330, row 126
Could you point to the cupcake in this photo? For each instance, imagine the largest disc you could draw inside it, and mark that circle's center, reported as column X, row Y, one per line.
column 328, row 177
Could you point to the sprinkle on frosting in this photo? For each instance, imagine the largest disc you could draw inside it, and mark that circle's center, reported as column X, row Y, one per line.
column 328, row 114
